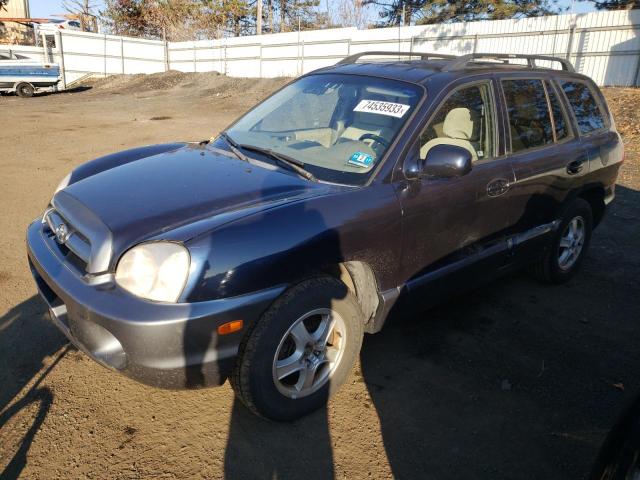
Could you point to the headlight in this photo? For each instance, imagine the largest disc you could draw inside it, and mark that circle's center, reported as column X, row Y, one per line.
column 64, row 183
column 156, row 271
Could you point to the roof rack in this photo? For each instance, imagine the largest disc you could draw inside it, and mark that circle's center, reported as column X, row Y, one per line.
column 423, row 56
column 463, row 61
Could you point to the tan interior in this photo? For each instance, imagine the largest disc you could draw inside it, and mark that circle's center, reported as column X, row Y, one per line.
column 460, row 128
column 364, row 122
column 324, row 136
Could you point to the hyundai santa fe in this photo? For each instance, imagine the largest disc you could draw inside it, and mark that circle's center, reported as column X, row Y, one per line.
column 263, row 255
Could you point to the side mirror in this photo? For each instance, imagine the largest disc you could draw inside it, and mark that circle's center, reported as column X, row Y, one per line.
column 447, row 161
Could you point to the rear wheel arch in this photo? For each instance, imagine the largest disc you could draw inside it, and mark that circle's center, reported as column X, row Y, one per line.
column 549, row 268
column 594, row 196
column 25, row 90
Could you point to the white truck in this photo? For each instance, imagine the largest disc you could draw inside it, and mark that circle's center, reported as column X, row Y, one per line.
column 26, row 76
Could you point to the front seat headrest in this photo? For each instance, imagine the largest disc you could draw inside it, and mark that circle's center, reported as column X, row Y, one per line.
column 460, row 123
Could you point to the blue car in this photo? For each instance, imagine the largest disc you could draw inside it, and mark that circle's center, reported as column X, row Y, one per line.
column 263, row 255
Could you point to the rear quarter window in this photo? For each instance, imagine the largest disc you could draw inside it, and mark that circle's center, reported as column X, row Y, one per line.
column 584, row 105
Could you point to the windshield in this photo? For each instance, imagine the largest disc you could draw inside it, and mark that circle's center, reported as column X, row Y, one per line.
column 338, row 126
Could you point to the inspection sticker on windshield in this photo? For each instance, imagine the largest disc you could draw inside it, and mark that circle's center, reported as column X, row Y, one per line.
column 382, row 108
column 360, row 159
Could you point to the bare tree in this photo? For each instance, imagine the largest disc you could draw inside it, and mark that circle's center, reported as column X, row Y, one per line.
column 83, row 11
column 3, row 28
column 351, row 13
column 178, row 20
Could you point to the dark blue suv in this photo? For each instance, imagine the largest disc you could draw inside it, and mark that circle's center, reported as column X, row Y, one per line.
column 264, row 254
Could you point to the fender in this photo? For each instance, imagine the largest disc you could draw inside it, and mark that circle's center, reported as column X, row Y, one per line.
column 287, row 243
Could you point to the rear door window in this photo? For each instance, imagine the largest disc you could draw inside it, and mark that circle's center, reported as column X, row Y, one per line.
column 528, row 113
column 559, row 119
column 584, row 105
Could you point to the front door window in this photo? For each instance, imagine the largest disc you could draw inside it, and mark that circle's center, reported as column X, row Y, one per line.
column 463, row 120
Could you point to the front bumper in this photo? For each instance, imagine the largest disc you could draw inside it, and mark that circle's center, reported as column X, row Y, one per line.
column 160, row 344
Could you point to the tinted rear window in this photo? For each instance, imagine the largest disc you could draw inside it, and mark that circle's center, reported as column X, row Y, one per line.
column 529, row 119
column 584, row 105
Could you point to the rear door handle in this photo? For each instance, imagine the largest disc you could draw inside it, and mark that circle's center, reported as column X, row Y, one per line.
column 575, row 167
column 497, row 187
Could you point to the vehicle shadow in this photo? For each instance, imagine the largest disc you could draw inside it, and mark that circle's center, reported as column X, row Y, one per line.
column 258, row 448
column 27, row 337
column 515, row 379
column 509, row 380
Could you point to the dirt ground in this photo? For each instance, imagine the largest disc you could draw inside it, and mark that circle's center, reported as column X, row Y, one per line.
column 516, row 380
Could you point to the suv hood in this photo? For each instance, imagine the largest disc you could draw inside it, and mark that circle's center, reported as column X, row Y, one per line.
column 153, row 195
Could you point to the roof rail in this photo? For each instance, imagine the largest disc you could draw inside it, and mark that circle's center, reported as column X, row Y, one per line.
column 423, row 56
column 464, row 60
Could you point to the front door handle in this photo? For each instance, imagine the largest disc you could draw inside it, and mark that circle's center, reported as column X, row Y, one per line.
column 498, row 187
column 575, row 167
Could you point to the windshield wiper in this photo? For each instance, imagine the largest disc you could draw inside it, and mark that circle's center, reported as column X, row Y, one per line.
column 233, row 145
column 284, row 160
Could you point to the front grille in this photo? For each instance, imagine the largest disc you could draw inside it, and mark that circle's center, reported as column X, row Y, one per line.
column 79, row 230
column 71, row 243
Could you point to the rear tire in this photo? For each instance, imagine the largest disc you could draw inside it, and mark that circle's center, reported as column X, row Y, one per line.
column 25, row 90
column 569, row 245
column 288, row 337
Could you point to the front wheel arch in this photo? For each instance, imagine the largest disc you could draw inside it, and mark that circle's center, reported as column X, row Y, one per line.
column 359, row 278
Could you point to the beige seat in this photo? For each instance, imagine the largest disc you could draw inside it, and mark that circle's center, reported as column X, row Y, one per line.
column 364, row 122
column 460, row 128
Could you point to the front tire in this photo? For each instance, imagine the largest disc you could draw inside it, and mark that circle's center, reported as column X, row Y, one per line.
column 300, row 351
column 569, row 245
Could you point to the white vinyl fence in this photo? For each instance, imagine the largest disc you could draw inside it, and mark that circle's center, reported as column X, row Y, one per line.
column 603, row 45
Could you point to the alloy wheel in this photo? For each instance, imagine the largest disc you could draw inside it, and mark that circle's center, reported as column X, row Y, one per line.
column 571, row 243
column 309, row 353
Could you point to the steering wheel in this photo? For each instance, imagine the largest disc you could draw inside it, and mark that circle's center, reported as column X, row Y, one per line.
column 375, row 138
